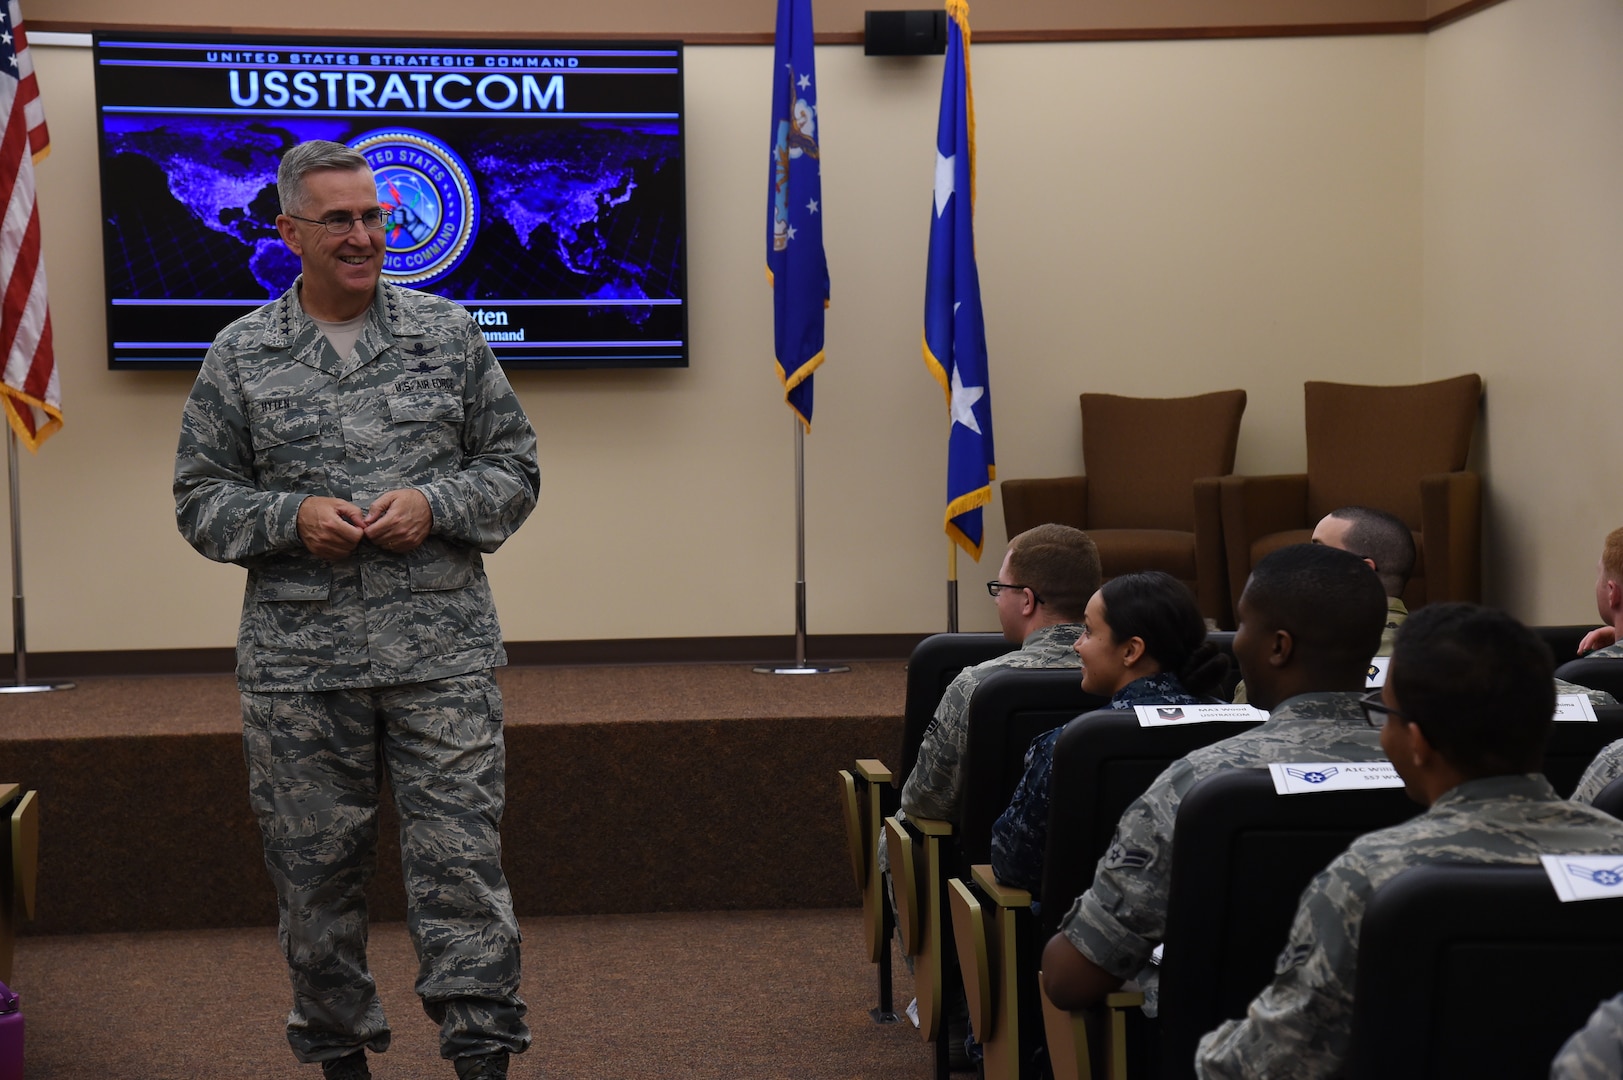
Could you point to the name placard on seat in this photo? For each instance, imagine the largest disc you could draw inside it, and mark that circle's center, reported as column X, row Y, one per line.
column 1574, row 707
column 1585, row 877
column 1173, row 715
column 1306, row 777
column 1375, row 677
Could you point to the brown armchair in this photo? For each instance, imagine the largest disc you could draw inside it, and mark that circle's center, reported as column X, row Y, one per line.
column 1401, row 449
column 1149, row 498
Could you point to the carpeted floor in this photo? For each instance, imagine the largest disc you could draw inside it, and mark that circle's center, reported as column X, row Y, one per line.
column 703, row 772
column 710, row 996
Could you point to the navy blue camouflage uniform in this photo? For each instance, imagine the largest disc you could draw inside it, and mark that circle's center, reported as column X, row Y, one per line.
column 1021, row 833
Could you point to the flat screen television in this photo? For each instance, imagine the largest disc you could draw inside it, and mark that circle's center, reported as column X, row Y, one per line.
column 539, row 184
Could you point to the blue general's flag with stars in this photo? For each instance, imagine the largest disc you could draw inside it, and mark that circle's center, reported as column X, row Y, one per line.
column 794, row 211
column 954, row 333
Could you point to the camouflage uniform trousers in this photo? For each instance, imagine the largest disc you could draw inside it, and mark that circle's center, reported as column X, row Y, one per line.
column 315, row 762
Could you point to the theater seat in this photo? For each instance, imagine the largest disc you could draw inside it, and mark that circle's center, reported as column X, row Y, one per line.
column 1148, row 497
column 1563, row 639
column 1009, row 709
column 934, row 663
column 1241, row 856
column 862, row 797
column 1573, row 745
column 1477, row 971
column 1401, row 449
column 1085, row 1046
column 19, row 867
column 1102, row 761
column 1610, row 799
column 1596, row 672
column 990, row 940
column 868, row 790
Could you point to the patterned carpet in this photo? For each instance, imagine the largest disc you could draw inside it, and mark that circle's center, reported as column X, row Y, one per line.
column 710, row 996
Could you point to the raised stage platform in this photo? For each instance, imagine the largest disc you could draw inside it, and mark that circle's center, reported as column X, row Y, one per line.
column 680, row 787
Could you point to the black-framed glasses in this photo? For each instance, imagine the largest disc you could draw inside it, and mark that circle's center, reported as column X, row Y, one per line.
column 1372, row 704
column 995, row 587
column 340, row 224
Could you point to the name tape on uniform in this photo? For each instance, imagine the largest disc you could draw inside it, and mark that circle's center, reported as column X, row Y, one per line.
column 1173, row 715
column 1585, row 877
column 1306, row 777
column 1574, row 707
column 1375, row 677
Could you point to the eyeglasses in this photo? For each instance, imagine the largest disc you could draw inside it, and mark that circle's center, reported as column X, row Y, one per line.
column 995, row 587
column 1372, row 704
column 341, row 224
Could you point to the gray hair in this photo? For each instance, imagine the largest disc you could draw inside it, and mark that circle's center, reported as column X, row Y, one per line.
column 309, row 157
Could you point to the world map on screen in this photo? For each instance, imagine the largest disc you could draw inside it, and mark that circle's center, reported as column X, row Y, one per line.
column 575, row 210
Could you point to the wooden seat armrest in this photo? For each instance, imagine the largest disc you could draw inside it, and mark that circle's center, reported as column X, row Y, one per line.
column 856, row 843
column 25, row 852
column 1004, row 896
column 873, row 770
column 1088, row 1043
column 971, row 934
column 929, row 826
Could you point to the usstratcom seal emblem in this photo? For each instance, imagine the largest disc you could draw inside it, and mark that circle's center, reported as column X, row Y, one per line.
column 432, row 203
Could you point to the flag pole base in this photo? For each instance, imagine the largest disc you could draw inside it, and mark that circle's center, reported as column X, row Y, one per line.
column 35, row 688
column 801, row 669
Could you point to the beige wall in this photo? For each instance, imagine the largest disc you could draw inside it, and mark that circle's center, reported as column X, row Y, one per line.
column 1523, row 271
column 1154, row 218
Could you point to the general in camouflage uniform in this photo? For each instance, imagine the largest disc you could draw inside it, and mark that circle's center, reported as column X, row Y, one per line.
column 358, row 488
column 1122, row 917
column 1595, row 1052
column 1300, row 1026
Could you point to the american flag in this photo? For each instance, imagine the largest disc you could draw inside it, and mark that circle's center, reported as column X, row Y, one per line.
column 29, row 386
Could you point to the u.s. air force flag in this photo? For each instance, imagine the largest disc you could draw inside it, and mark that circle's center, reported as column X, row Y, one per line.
column 954, row 333
column 794, row 211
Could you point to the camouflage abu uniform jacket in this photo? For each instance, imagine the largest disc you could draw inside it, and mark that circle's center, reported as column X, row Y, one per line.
column 276, row 415
column 1608, row 764
column 936, row 786
column 1595, row 1052
column 1300, row 1026
column 1122, row 917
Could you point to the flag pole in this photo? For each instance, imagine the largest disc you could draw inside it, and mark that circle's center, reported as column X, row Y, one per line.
column 952, row 587
column 19, row 630
column 800, row 665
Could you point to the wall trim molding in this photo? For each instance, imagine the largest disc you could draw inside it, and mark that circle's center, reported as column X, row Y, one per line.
column 999, row 37
column 761, row 649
